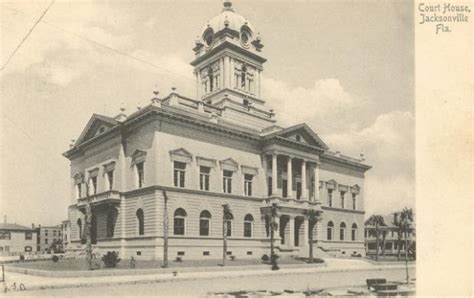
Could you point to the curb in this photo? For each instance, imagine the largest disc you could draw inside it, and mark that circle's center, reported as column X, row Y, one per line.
column 214, row 274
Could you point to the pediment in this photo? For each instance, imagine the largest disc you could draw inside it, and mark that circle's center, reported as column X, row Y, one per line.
column 181, row 152
column 229, row 164
column 97, row 125
column 301, row 133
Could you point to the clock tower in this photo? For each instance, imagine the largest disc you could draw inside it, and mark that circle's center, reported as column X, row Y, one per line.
column 228, row 60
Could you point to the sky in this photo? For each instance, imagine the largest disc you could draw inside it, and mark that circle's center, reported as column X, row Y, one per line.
column 351, row 62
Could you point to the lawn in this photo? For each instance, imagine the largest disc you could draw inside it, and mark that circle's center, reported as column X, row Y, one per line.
column 80, row 264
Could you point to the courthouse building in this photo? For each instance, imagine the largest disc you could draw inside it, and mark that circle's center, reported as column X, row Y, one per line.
column 222, row 147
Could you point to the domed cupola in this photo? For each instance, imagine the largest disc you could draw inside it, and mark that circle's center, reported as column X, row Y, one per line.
column 232, row 23
column 228, row 60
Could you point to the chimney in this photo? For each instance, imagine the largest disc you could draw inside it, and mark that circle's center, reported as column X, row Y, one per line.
column 362, row 158
column 4, row 219
column 33, row 226
column 338, row 154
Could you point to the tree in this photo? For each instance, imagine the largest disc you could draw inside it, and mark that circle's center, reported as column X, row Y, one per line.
column 377, row 221
column 397, row 222
column 225, row 218
column 165, row 230
column 273, row 228
column 406, row 216
column 88, row 228
column 313, row 217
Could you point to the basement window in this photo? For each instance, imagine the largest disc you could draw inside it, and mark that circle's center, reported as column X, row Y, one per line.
column 180, row 253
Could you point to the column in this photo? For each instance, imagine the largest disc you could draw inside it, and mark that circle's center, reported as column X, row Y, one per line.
column 274, row 174
column 316, row 182
column 290, row 178
column 221, row 73
column 291, row 232
column 231, row 74
column 304, row 189
column 305, row 232
column 199, row 85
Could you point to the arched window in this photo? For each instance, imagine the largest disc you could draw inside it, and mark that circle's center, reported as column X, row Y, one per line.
column 330, row 230
column 110, row 223
column 79, row 226
column 204, row 223
column 179, row 221
column 228, row 222
column 342, row 231
column 248, row 223
column 354, row 232
column 140, row 221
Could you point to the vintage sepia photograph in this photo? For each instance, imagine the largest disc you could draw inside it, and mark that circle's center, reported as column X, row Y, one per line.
column 217, row 148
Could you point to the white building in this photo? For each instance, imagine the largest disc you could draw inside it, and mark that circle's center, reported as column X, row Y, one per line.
column 223, row 147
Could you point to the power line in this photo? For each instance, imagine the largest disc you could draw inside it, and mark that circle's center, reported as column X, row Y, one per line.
column 96, row 43
column 27, row 35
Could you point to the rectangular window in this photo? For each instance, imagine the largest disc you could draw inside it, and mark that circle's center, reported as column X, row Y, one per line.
column 140, row 174
column 269, row 186
column 249, row 253
column 330, row 197
column 284, row 188
column 247, row 229
column 298, row 190
column 248, row 184
column 28, row 235
column 206, row 253
column 204, row 175
column 46, row 233
column 45, row 241
column 54, row 233
column 110, row 179
column 5, row 235
column 354, row 201
column 343, row 199
column 227, row 181
column 178, row 226
column 179, row 173
column 180, row 253
column 94, row 184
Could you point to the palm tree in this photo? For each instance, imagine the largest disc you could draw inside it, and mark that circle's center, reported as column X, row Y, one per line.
column 397, row 222
column 165, row 230
column 225, row 218
column 406, row 216
column 313, row 217
column 377, row 221
column 273, row 228
column 88, row 228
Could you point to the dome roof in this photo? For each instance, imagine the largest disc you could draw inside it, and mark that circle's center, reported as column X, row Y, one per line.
column 228, row 18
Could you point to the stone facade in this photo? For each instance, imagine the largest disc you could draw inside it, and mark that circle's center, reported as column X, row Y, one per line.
column 221, row 148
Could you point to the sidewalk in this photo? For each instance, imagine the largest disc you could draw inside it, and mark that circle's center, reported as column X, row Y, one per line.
column 31, row 282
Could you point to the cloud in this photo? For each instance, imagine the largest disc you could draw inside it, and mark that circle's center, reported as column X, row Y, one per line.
column 323, row 105
column 388, row 146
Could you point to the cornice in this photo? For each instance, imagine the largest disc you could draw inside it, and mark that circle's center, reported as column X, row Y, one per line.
column 342, row 210
column 227, row 45
column 345, row 162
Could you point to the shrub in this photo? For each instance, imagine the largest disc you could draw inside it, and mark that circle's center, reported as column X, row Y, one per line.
column 111, row 259
column 232, row 258
column 22, row 258
column 179, row 259
column 265, row 258
column 274, row 258
column 55, row 259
